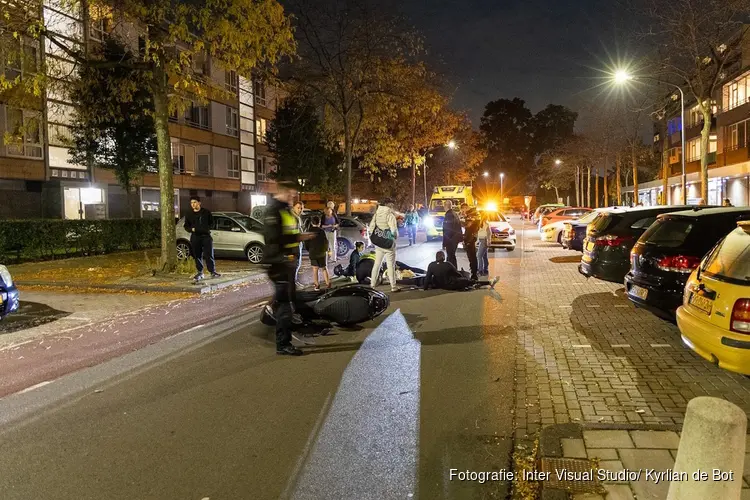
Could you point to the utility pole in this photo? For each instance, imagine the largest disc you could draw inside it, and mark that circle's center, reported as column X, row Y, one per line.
column 596, row 180
column 588, row 187
column 618, row 182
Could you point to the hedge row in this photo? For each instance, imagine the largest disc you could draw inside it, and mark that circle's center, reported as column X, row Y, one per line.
column 25, row 240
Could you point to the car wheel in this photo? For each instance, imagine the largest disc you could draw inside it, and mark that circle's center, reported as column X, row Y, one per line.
column 254, row 253
column 183, row 250
column 510, row 249
column 342, row 247
column 559, row 238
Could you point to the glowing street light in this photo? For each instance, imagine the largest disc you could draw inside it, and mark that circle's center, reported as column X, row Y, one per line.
column 502, row 198
column 486, row 174
column 452, row 144
column 621, row 77
column 558, row 162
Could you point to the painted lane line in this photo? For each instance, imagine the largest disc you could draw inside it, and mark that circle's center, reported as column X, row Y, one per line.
column 35, row 386
column 620, row 345
column 580, row 345
column 661, row 345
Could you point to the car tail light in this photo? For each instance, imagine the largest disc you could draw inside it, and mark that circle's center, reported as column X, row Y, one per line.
column 678, row 263
column 611, row 240
column 740, row 322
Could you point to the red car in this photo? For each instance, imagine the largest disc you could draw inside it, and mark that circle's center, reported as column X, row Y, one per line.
column 567, row 213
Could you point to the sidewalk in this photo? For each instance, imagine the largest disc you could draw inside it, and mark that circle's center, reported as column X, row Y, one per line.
column 129, row 271
column 633, row 458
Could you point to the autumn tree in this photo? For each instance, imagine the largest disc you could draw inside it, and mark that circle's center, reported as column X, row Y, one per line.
column 358, row 61
column 113, row 128
column 176, row 40
column 696, row 41
column 305, row 152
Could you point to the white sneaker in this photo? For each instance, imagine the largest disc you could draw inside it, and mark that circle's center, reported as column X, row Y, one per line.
column 494, row 282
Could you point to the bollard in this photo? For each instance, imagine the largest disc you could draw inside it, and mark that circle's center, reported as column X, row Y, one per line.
column 713, row 438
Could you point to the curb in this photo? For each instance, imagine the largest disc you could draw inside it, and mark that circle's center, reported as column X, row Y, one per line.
column 198, row 290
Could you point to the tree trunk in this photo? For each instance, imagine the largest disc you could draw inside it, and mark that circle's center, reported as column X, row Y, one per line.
column 618, row 180
column 348, row 159
column 596, row 188
column 705, row 135
column 606, row 194
column 578, row 188
column 634, row 160
column 166, row 186
column 557, row 195
column 129, row 200
column 588, row 187
column 413, row 182
column 665, row 180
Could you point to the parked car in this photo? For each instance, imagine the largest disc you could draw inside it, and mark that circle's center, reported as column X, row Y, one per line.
column 544, row 209
column 234, row 234
column 552, row 231
column 611, row 236
column 502, row 233
column 568, row 213
column 351, row 230
column 574, row 232
column 670, row 250
column 8, row 293
column 714, row 318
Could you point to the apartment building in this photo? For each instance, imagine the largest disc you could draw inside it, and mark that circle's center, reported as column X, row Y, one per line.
column 728, row 158
column 218, row 148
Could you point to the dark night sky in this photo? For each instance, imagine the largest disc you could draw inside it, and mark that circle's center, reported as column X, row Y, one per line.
column 543, row 51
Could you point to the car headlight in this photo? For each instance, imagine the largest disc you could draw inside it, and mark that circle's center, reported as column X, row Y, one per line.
column 429, row 221
column 512, row 231
column 5, row 276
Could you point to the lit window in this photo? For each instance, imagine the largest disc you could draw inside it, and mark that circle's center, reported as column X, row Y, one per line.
column 24, row 133
column 233, row 166
column 261, row 130
column 233, row 122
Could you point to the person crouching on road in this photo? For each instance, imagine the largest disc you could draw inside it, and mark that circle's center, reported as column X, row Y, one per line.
column 411, row 221
column 443, row 275
column 199, row 223
column 282, row 238
column 354, row 259
column 317, row 249
column 384, row 231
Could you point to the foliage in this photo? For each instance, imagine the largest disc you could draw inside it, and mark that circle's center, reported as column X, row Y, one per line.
column 53, row 238
column 303, row 149
column 113, row 127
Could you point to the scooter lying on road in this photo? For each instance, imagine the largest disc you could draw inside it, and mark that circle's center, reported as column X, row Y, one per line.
column 347, row 305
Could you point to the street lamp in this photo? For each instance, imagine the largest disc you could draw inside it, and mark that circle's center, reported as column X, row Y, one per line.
column 486, row 174
column 621, row 77
column 452, row 144
column 502, row 198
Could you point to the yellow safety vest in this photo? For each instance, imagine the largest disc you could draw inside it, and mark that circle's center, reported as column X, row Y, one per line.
column 289, row 225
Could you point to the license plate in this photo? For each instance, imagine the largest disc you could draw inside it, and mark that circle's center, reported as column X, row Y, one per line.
column 701, row 303
column 639, row 292
column 590, row 246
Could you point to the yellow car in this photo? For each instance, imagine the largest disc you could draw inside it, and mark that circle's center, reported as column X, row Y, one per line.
column 715, row 316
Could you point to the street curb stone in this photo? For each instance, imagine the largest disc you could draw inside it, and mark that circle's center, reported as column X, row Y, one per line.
column 198, row 290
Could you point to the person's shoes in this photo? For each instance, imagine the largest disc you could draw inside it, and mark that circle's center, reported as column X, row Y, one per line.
column 395, row 290
column 316, row 288
column 474, row 277
column 215, row 275
column 288, row 350
column 494, row 281
column 198, row 277
column 297, row 319
column 354, row 279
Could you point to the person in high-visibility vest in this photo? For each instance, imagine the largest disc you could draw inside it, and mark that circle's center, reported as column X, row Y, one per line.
column 282, row 237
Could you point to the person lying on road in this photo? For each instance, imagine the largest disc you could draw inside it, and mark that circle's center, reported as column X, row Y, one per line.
column 443, row 275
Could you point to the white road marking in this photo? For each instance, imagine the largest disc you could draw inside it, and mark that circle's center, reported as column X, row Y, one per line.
column 561, row 307
column 580, row 345
column 14, row 346
column 661, row 345
column 76, row 318
column 594, row 305
column 185, row 331
column 622, row 305
column 35, row 386
column 620, row 345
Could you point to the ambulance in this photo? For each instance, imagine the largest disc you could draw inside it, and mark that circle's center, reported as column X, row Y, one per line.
column 433, row 222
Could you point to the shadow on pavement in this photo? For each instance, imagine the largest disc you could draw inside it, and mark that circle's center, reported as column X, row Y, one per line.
column 463, row 335
column 29, row 315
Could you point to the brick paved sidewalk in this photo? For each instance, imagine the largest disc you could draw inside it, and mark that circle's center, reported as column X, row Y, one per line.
column 633, row 459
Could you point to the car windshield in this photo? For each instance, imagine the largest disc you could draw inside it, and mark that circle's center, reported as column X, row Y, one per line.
column 248, row 222
column 730, row 260
column 602, row 221
column 667, row 232
column 494, row 217
column 588, row 217
column 437, row 205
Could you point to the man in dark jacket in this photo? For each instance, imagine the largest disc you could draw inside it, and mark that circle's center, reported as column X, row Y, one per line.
column 443, row 275
column 282, row 237
column 199, row 223
column 451, row 233
column 471, row 233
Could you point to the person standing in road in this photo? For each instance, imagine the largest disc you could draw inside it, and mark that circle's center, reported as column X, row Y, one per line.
column 330, row 226
column 483, row 235
column 411, row 220
column 471, row 232
column 452, row 233
column 317, row 250
column 199, row 223
column 282, row 238
column 384, row 232
column 297, row 211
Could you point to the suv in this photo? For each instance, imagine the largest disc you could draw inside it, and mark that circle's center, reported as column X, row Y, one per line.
column 611, row 236
column 234, row 235
column 670, row 250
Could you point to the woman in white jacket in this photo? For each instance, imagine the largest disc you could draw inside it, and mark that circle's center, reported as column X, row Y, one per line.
column 385, row 219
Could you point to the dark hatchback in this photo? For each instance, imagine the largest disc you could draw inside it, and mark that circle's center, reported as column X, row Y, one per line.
column 611, row 236
column 8, row 293
column 574, row 232
column 663, row 258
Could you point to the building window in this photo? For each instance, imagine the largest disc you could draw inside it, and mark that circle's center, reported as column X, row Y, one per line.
column 694, row 149
column 23, row 127
column 99, row 23
column 197, row 116
column 203, row 162
column 231, row 80
column 200, row 64
column 735, row 93
column 695, row 116
column 233, row 122
column 260, row 169
column 178, row 158
column 657, row 137
column 233, row 167
column 674, row 125
column 675, row 155
column 22, row 62
column 260, row 130
column 260, row 93
column 736, row 136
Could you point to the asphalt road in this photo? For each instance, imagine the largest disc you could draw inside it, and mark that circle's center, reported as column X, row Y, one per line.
column 381, row 412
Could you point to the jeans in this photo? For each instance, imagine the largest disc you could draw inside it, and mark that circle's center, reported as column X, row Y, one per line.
column 390, row 260
column 298, row 264
column 412, row 230
column 331, row 237
column 203, row 248
column 282, row 276
column 482, row 256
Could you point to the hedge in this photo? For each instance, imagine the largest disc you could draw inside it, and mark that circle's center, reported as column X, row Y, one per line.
column 26, row 240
